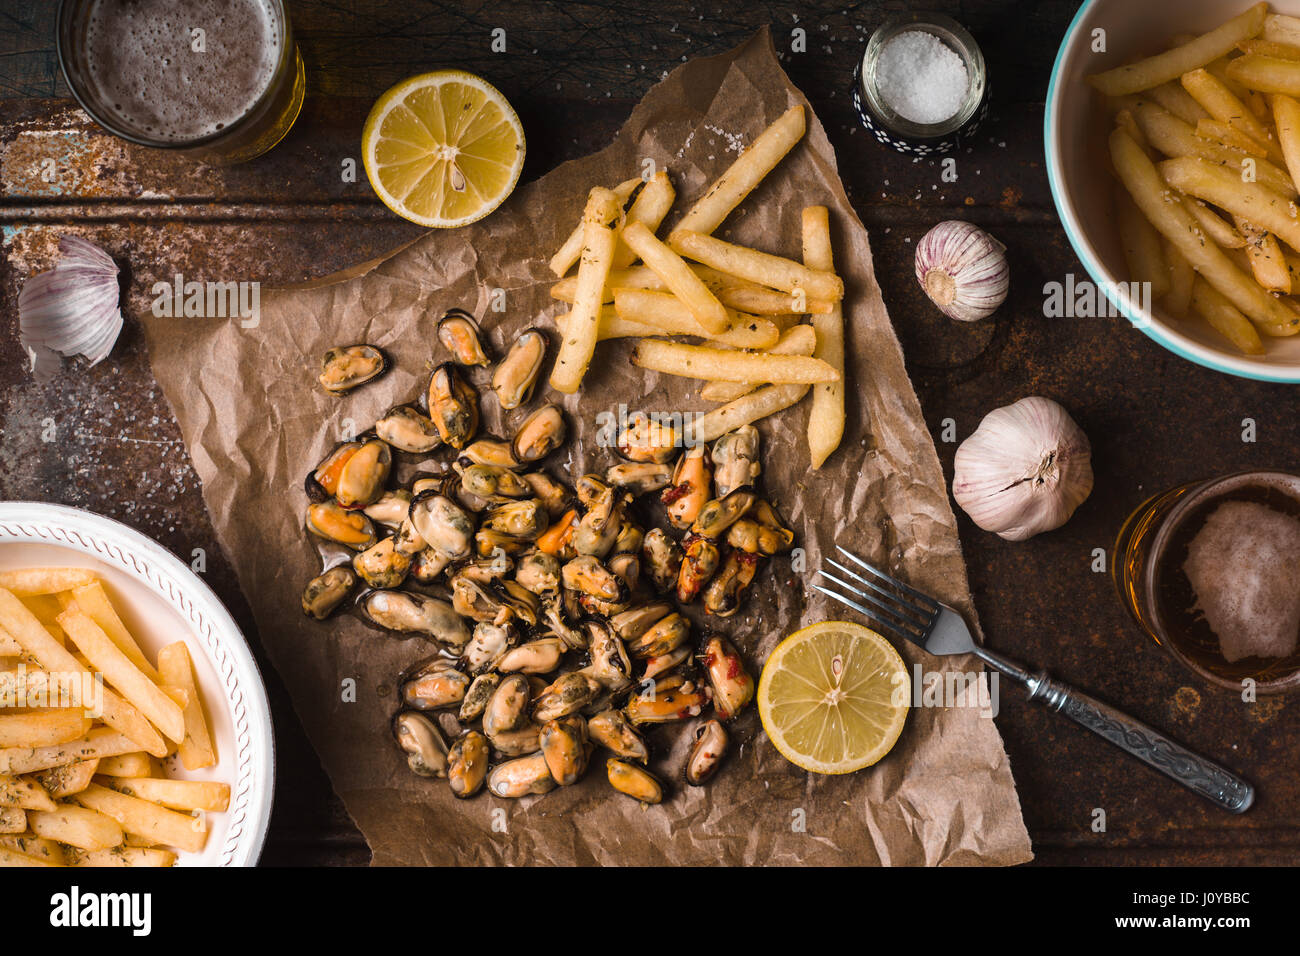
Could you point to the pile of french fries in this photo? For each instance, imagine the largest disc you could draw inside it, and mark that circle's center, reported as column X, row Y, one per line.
column 80, row 777
column 745, row 306
column 1206, row 145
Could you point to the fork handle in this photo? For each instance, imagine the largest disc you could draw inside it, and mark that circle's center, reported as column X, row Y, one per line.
column 1150, row 746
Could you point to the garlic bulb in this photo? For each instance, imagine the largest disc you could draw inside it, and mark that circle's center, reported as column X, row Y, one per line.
column 1024, row 470
column 72, row 309
column 963, row 270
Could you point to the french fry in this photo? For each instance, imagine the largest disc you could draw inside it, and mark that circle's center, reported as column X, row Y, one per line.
column 761, row 267
column 1174, row 138
column 826, row 418
column 1267, row 74
column 1282, row 51
column 698, row 361
column 1154, row 70
column 125, row 856
column 798, row 340
column 1280, row 28
column 34, row 846
column 582, row 324
column 749, row 169
column 1225, row 318
column 1145, row 185
column 100, row 742
column 30, row 581
column 670, row 316
column 165, row 827
column 677, row 277
column 196, row 750
column 52, row 656
column 1141, row 246
column 1219, row 187
column 745, row 410
column 13, row 819
column 24, row 793
column 1124, row 119
column 1181, row 274
column 118, row 670
column 69, row 778
column 649, row 208
column 94, row 603
column 751, row 332
column 15, row 858
column 9, row 646
column 1223, row 105
column 571, row 251
column 137, row 764
column 82, row 827
column 42, row 728
column 1267, row 263
column 738, row 294
column 1221, row 233
column 184, row 795
column 1172, row 97
column 1230, row 136
column 1286, row 115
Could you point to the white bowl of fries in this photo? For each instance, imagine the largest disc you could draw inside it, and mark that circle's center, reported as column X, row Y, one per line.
column 134, row 727
column 1173, row 146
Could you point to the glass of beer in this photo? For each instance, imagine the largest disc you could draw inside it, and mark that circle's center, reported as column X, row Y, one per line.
column 1211, row 571
column 219, row 80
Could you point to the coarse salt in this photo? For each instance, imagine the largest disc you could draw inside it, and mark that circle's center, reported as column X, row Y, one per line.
column 921, row 78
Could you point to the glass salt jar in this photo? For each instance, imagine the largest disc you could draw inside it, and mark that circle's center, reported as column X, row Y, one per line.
column 913, row 67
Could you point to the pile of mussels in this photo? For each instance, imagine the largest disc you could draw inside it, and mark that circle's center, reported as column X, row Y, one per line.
column 550, row 634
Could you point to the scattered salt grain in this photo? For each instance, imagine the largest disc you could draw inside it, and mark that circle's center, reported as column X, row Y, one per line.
column 921, row 78
column 1243, row 566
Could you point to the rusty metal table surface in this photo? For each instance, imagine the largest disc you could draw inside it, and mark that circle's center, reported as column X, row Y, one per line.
column 104, row 439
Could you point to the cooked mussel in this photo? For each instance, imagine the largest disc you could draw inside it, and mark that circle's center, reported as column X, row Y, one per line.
column 566, row 695
column 516, row 374
column 361, row 480
column 690, row 488
column 476, row 699
column 564, row 747
column 408, row 429
column 612, row 730
column 489, row 481
column 646, row 439
column 519, row 519
column 434, row 686
column 634, row 780
column 327, row 591
column 382, row 565
column 774, row 536
column 323, row 481
column 539, row 572
column 721, row 513
column 521, row 777
column 733, row 688
column 410, row 613
column 665, row 635
column 699, row 562
column 507, row 708
column 345, row 367
column 727, row 590
column 540, row 433
column 554, row 495
column 350, row 528
column 535, row 657
column 391, row 509
column 442, row 524
column 490, row 451
column 586, row 575
column 735, row 460
column 706, row 754
column 640, row 477
column 488, row 644
column 453, row 406
column 420, row 739
column 459, row 335
column 467, row 764
column 662, row 558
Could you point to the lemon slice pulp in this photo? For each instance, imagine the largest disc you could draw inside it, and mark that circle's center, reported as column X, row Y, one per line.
column 443, row 149
column 833, row 697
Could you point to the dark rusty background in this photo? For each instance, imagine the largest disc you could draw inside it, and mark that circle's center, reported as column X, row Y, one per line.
column 105, row 440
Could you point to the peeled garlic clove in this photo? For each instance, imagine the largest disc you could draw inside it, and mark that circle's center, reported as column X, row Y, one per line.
column 963, row 270
column 72, row 309
column 1024, row 470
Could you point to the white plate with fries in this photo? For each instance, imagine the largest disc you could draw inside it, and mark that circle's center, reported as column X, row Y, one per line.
column 170, row 760
column 1173, row 155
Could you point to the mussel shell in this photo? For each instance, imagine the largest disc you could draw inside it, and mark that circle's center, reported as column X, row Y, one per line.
column 540, row 433
column 408, row 429
column 345, row 367
column 516, row 375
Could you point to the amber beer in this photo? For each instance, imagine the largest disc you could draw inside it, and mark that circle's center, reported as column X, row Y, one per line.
column 1245, row 557
column 220, row 80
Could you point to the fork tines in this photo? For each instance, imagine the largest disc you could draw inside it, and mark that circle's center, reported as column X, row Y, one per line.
column 895, row 607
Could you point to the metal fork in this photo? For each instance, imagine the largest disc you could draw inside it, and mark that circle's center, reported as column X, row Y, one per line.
column 902, row 612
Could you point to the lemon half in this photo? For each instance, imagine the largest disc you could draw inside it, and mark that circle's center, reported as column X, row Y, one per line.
column 833, row 697
column 443, row 149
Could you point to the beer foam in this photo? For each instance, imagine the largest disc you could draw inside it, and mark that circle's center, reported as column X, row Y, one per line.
column 144, row 69
column 1244, row 567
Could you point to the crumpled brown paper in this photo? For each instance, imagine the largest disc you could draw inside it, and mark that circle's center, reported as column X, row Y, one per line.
column 255, row 422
